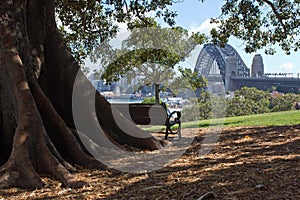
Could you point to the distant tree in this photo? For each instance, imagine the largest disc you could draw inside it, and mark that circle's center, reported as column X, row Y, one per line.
column 150, row 100
column 151, row 54
column 205, row 106
column 271, row 89
column 248, row 101
column 284, row 102
column 191, row 80
column 192, row 112
column 238, row 106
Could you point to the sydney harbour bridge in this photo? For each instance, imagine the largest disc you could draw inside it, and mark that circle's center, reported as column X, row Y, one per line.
column 224, row 65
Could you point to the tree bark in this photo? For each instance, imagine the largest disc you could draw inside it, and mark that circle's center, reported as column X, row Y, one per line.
column 37, row 128
column 157, row 90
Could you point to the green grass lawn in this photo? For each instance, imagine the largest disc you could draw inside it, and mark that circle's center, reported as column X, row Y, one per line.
column 267, row 119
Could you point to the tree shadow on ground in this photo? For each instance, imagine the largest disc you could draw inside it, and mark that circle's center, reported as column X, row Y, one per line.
column 248, row 163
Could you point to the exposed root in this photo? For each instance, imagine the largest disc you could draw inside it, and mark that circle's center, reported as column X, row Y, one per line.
column 15, row 175
column 60, row 134
column 43, row 144
column 31, row 155
column 51, row 166
column 18, row 170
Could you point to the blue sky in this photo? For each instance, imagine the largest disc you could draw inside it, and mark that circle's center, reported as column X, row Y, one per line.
column 194, row 15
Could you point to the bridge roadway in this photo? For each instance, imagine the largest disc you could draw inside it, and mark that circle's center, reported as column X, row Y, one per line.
column 264, row 83
column 214, row 78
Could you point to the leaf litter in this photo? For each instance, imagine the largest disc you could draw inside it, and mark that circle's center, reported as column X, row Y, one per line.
column 246, row 163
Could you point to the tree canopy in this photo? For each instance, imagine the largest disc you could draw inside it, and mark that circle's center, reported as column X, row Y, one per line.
column 151, row 55
column 261, row 24
column 87, row 23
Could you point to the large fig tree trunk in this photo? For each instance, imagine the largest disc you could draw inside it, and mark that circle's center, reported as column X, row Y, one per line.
column 37, row 75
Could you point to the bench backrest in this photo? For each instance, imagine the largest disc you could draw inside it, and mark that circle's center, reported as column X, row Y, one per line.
column 144, row 114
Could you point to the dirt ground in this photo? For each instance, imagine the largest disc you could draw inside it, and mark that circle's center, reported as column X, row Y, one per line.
column 246, row 163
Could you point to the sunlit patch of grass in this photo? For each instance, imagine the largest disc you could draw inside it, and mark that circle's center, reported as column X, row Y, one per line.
column 266, row 119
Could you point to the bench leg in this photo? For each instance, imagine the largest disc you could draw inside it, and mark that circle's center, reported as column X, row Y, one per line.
column 179, row 130
column 168, row 128
column 167, row 132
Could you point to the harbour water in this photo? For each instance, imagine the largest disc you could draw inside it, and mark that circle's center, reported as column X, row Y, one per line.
column 124, row 100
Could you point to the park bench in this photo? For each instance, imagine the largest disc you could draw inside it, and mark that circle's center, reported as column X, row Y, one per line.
column 152, row 114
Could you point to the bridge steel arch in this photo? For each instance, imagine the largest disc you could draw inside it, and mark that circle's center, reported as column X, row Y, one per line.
column 211, row 53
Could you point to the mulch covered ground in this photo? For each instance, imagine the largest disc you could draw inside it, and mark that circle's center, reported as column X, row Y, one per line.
column 246, row 163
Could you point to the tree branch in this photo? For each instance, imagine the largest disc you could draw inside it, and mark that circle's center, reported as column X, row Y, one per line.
column 277, row 14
